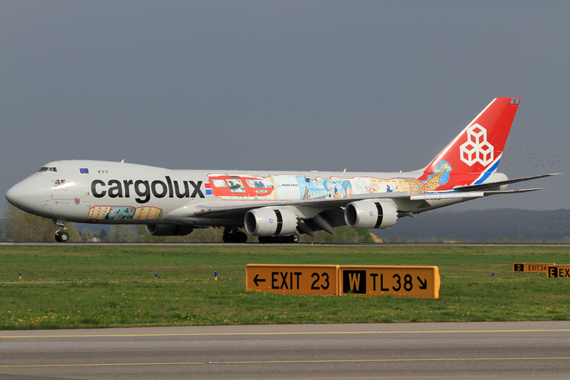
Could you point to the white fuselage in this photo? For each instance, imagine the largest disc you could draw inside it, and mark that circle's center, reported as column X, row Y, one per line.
column 111, row 192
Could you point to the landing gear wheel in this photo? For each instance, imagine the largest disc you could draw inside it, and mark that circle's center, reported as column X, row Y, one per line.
column 289, row 239
column 295, row 238
column 64, row 237
column 241, row 237
column 279, row 239
column 233, row 235
column 60, row 235
column 266, row 239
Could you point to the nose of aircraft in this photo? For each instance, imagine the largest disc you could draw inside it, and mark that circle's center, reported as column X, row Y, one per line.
column 27, row 195
column 12, row 194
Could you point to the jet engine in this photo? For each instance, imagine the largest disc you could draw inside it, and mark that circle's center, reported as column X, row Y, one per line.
column 371, row 214
column 168, row 229
column 268, row 221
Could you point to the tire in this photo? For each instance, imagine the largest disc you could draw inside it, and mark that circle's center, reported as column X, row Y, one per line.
column 278, row 239
column 236, row 237
column 295, row 238
column 241, row 237
column 265, row 239
column 64, row 237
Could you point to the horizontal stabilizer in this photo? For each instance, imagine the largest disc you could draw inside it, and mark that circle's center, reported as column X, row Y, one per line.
column 447, row 195
column 497, row 192
column 491, row 185
column 466, row 195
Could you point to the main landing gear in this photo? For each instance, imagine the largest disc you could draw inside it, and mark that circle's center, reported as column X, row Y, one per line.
column 234, row 235
column 279, row 239
column 60, row 235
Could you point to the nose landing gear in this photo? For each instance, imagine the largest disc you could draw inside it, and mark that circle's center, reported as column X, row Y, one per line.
column 60, row 235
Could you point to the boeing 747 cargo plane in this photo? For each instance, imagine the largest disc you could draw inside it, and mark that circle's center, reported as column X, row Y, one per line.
column 274, row 206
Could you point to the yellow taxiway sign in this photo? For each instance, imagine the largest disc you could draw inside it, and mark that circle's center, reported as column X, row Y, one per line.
column 531, row 268
column 292, row 279
column 558, row 271
column 400, row 281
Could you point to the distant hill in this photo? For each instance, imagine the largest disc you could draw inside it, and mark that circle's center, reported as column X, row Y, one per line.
column 485, row 225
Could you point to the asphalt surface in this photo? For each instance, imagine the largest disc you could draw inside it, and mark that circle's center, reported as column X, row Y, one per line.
column 495, row 350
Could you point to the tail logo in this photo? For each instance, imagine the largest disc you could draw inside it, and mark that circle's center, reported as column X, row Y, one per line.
column 476, row 148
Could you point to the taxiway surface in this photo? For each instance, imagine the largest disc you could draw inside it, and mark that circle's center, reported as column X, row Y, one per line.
column 521, row 350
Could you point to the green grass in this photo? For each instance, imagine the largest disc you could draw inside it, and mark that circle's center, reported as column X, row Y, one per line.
column 112, row 286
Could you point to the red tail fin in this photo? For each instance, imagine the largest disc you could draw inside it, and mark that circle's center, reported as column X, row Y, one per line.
column 475, row 153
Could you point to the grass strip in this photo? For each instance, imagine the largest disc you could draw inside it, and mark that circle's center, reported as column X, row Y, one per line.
column 115, row 286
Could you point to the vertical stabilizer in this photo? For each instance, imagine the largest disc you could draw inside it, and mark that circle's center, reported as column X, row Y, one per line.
column 475, row 153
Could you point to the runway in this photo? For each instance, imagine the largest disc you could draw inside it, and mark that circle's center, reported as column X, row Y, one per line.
column 521, row 350
column 255, row 244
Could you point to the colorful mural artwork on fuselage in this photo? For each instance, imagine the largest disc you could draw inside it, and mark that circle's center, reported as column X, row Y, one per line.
column 120, row 213
column 296, row 187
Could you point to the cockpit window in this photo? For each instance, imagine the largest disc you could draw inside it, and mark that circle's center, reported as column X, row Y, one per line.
column 48, row 169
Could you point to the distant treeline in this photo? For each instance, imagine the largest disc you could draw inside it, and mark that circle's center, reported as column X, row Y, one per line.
column 498, row 225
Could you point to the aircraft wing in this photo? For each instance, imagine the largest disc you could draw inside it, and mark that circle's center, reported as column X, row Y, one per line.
column 237, row 209
column 241, row 207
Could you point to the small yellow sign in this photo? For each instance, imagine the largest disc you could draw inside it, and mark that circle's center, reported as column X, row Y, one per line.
column 531, row 268
column 292, row 279
column 400, row 281
column 558, row 271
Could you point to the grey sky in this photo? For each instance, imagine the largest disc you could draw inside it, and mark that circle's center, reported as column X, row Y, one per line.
column 307, row 85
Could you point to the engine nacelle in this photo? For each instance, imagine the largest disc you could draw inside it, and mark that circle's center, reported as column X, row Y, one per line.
column 371, row 214
column 168, row 229
column 269, row 221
